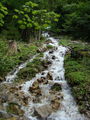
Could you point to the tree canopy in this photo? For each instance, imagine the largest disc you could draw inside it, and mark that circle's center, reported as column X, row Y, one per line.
column 35, row 16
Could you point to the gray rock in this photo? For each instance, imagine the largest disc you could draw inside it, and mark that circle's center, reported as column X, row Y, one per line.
column 43, row 111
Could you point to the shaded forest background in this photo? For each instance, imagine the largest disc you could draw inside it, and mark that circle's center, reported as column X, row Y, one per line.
column 16, row 21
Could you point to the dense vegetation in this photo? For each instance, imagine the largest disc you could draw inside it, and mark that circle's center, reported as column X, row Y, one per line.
column 74, row 18
column 77, row 72
column 21, row 21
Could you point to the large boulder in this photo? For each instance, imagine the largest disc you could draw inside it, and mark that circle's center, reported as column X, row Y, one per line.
column 43, row 111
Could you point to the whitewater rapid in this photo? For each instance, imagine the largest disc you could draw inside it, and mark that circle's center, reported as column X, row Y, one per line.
column 68, row 109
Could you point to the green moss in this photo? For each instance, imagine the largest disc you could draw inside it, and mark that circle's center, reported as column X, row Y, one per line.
column 31, row 69
column 49, row 46
column 2, row 119
column 56, row 87
column 78, row 76
column 14, row 108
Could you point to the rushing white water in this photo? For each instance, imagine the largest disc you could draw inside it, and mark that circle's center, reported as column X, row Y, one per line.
column 12, row 76
column 68, row 109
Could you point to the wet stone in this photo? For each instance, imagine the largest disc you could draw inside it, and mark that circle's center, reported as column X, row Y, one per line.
column 35, row 89
column 49, row 76
column 42, row 80
column 42, row 73
column 43, row 111
column 55, row 104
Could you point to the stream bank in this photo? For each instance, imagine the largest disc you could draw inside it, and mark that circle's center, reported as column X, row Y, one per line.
column 77, row 72
column 11, row 62
column 78, row 76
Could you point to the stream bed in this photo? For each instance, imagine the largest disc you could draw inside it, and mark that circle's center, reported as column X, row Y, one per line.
column 49, row 96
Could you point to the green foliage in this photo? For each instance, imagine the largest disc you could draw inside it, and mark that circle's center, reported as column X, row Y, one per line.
column 11, row 33
column 74, row 20
column 33, row 20
column 3, row 12
column 77, row 21
column 49, row 46
column 56, row 87
column 29, row 16
column 77, row 74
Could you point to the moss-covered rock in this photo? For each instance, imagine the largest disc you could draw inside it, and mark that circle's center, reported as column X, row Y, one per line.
column 31, row 69
column 56, row 87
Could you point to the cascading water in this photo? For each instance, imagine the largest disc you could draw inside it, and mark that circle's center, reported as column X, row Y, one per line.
column 12, row 76
column 68, row 109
